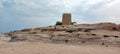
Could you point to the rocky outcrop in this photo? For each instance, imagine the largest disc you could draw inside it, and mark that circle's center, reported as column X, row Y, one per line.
column 4, row 37
column 107, row 26
column 100, row 26
column 100, row 33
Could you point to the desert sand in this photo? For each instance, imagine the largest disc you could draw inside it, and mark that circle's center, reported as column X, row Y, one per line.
column 49, row 48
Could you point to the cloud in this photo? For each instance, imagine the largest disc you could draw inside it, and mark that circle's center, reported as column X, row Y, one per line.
column 40, row 21
column 65, row 5
column 112, row 19
column 109, row 12
column 34, row 13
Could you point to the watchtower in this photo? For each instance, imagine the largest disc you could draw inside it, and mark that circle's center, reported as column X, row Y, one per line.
column 66, row 19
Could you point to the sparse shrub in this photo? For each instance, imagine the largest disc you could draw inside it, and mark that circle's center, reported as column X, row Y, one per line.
column 73, row 23
column 106, row 46
column 25, row 30
column 102, row 43
column 85, row 30
column 70, row 31
column 79, row 29
column 94, row 34
column 114, row 28
column 106, row 36
column 58, row 23
column 116, row 36
column 51, row 37
column 32, row 33
column 83, row 41
column 49, row 26
column 66, row 41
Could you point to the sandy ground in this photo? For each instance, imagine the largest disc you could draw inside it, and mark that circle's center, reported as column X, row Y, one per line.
column 49, row 48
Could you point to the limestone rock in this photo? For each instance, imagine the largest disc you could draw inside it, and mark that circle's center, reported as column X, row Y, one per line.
column 4, row 37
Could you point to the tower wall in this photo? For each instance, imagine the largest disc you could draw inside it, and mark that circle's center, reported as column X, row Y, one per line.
column 66, row 19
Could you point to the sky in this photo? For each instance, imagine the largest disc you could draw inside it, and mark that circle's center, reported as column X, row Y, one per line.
column 20, row 14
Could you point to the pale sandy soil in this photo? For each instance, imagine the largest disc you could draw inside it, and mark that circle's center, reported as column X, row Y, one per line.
column 49, row 48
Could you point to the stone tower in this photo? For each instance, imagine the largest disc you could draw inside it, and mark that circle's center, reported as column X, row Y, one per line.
column 66, row 19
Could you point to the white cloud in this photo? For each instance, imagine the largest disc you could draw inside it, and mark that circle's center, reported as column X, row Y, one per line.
column 113, row 19
column 109, row 12
column 37, row 10
column 34, row 13
column 79, row 19
column 1, row 6
column 113, row 3
column 39, row 21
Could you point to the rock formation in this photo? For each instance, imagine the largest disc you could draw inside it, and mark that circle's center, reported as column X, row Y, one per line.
column 100, row 33
column 4, row 37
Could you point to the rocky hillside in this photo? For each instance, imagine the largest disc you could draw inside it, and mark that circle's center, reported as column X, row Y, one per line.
column 100, row 33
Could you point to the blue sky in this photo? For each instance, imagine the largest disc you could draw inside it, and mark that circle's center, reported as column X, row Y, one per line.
column 20, row 14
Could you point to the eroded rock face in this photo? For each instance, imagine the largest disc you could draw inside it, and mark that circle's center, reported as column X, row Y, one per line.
column 100, row 33
column 119, row 27
column 4, row 37
column 107, row 26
